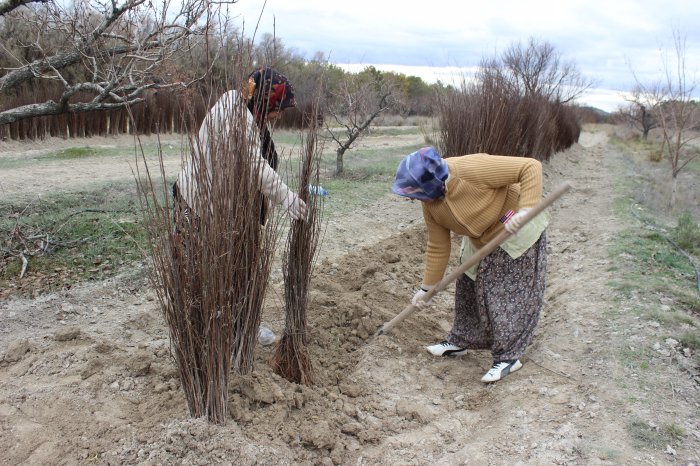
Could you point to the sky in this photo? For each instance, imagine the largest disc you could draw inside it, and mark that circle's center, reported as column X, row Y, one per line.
column 610, row 41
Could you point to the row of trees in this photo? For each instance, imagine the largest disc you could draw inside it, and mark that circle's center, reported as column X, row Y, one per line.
column 76, row 70
column 90, row 57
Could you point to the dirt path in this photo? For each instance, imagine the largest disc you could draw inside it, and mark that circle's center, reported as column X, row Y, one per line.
column 85, row 376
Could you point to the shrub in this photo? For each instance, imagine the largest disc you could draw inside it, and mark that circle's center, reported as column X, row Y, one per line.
column 687, row 233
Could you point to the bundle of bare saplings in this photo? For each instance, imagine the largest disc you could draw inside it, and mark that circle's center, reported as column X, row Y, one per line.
column 291, row 359
column 212, row 255
column 212, row 258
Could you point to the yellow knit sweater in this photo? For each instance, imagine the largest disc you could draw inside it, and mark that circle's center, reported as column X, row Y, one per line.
column 481, row 188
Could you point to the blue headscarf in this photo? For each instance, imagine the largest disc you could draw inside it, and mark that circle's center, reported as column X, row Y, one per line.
column 421, row 175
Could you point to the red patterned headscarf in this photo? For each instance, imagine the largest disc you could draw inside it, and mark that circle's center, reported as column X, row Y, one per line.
column 268, row 91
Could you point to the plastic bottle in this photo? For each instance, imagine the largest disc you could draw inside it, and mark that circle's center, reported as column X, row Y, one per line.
column 318, row 191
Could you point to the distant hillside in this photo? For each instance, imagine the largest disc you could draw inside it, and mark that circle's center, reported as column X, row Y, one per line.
column 588, row 114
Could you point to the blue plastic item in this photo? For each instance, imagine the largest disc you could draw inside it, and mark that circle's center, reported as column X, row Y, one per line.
column 318, row 191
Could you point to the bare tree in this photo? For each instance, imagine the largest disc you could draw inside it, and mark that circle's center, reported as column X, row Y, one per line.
column 111, row 51
column 676, row 111
column 271, row 51
column 353, row 106
column 537, row 69
column 640, row 110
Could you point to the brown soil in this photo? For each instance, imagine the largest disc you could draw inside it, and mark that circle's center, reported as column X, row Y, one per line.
column 86, row 376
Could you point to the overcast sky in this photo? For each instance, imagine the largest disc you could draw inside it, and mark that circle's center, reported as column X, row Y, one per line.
column 606, row 38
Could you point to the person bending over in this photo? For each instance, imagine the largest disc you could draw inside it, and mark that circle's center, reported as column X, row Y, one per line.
column 498, row 301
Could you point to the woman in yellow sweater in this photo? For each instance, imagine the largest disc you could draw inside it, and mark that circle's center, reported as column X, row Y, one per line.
column 498, row 301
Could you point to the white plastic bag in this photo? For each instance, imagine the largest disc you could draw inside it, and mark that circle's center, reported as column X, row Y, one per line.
column 266, row 336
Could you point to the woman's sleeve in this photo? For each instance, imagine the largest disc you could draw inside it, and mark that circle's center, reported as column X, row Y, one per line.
column 530, row 179
column 271, row 185
column 437, row 253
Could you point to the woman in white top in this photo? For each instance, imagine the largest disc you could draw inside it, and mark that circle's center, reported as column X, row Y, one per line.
column 266, row 96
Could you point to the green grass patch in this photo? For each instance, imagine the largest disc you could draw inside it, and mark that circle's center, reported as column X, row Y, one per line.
column 150, row 147
column 367, row 177
column 286, row 136
column 674, row 432
column 367, row 163
column 89, row 235
column 636, row 358
column 10, row 163
column 643, row 435
column 646, row 257
column 75, row 153
column 691, row 340
column 648, row 264
column 638, row 148
column 377, row 131
column 646, row 436
column 392, row 131
column 607, row 454
column 687, row 233
column 348, row 195
column 670, row 318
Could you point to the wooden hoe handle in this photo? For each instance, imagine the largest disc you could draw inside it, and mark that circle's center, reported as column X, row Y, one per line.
column 476, row 258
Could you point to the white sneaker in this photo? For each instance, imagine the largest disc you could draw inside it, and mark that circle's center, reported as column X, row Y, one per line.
column 501, row 369
column 445, row 349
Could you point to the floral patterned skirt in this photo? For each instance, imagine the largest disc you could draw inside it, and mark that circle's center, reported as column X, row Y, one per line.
column 500, row 310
